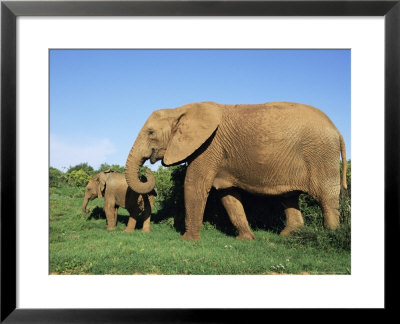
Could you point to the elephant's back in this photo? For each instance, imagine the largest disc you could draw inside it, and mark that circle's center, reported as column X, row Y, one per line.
column 288, row 110
column 118, row 180
column 281, row 120
column 118, row 185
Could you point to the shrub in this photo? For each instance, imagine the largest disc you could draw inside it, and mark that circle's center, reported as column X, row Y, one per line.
column 169, row 200
column 113, row 167
column 310, row 210
column 317, row 237
column 78, row 178
column 56, row 178
column 81, row 166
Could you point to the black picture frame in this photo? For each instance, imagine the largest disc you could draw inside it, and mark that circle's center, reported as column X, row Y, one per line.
column 10, row 10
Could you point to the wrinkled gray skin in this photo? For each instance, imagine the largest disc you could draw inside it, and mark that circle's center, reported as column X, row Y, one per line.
column 113, row 187
column 278, row 148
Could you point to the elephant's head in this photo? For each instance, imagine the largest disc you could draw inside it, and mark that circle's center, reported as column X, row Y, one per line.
column 95, row 188
column 170, row 135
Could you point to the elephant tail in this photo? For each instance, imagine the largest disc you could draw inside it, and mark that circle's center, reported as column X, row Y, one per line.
column 344, row 161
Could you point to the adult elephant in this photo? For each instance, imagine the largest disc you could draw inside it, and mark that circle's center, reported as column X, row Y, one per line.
column 277, row 148
column 113, row 187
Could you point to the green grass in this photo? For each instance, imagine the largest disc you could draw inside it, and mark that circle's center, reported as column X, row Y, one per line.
column 80, row 244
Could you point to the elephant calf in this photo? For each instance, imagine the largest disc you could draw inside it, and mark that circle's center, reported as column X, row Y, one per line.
column 113, row 187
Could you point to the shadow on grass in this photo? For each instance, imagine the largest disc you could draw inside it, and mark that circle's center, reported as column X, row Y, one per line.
column 262, row 212
column 98, row 213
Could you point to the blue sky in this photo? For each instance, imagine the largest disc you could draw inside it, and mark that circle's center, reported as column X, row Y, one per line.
column 99, row 99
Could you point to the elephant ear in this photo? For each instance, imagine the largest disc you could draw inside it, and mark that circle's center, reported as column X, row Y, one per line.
column 194, row 125
column 101, row 185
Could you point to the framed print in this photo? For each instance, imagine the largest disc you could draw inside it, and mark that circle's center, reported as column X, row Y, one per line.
column 80, row 79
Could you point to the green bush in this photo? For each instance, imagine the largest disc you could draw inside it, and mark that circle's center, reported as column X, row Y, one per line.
column 318, row 237
column 81, row 166
column 114, row 167
column 56, row 178
column 80, row 174
column 78, row 178
column 75, row 178
column 170, row 195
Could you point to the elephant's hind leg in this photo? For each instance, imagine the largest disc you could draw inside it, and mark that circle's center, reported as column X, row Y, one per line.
column 294, row 219
column 235, row 210
column 146, row 214
column 330, row 208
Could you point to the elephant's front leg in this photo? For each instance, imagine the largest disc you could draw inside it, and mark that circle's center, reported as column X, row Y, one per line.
column 198, row 183
column 111, row 213
column 130, row 227
column 115, row 216
column 232, row 202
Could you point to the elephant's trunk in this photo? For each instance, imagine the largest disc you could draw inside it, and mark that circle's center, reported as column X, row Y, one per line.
column 84, row 205
column 133, row 163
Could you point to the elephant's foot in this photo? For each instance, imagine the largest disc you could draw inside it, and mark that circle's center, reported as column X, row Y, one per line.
column 111, row 228
column 287, row 231
column 331, row 223
column 146, row 230
column 331, row 227
column 190, row 237
column 129, row 230
column 246, row 236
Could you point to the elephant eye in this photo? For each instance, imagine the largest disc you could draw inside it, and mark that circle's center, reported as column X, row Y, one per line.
column 150, row 132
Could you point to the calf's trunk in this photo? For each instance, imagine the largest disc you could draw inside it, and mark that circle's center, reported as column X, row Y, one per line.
column 84, row 205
